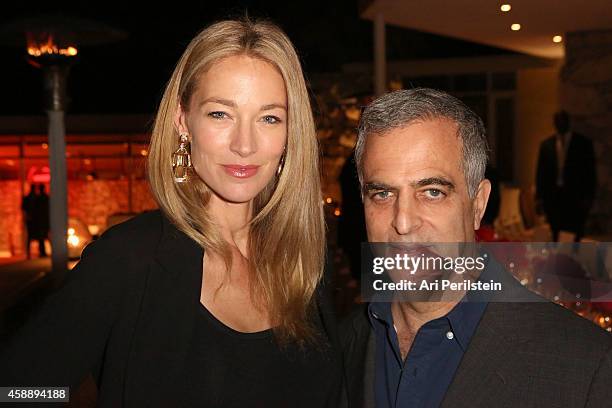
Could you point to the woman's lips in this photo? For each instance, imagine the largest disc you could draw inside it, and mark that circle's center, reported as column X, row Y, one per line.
column 240, row 171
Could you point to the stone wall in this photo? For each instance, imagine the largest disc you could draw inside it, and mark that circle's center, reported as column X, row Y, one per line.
column 11, row 220
column 586, row 94
column 90, row 201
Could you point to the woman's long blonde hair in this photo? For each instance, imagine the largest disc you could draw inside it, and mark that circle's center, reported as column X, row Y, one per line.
column 287, row 232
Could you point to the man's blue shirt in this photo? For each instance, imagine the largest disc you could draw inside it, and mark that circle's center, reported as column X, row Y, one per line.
column 423, row 378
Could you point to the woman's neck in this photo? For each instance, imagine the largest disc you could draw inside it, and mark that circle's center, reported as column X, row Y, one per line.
column 232, row 219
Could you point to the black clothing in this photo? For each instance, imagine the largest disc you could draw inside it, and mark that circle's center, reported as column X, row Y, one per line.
column 227, row 368
column 351, row 224
column 127, row 314
column 567, row 204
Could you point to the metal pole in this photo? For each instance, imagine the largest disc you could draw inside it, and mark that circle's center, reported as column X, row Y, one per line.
column 380, row 58
column 58, row 209
column 130, row 175
column 24, row 234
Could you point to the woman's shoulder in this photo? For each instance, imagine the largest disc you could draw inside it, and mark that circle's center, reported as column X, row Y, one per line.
column 138, row 235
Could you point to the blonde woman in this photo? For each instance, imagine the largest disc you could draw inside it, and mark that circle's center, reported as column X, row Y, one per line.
column 215, row 299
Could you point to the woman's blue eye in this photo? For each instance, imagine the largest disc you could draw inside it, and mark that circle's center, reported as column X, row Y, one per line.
column 271, row 119
column 217, row 115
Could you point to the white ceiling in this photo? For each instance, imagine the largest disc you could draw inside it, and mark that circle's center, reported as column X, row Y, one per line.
column 482, row 21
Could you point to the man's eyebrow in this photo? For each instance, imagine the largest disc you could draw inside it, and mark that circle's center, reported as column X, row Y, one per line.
column 376, row 186
column 437, row 181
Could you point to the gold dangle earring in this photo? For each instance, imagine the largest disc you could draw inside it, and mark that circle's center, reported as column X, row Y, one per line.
column 281, row 163
column 181, row 160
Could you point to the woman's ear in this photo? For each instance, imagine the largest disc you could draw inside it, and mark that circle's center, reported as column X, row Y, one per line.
column 180, row 120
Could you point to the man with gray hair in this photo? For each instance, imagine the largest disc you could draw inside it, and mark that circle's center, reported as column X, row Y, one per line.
column 421, row 156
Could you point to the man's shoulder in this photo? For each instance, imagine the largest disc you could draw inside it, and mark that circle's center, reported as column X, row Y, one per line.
column 550, row 327
column 549, row 141
column 581, row 139
column 577, row 329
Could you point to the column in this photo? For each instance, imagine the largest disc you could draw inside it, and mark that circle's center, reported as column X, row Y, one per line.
column 586, row 94
column 380, row 58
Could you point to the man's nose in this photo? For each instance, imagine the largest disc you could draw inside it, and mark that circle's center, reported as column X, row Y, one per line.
column 243, row 141
column 406, row 219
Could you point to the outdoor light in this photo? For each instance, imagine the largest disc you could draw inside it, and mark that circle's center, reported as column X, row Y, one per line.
column 505, row 8
column 73, row 240
column 52, row 44
column 43, row 44
column 94, row 229
column 557, row 39
column 515, row 27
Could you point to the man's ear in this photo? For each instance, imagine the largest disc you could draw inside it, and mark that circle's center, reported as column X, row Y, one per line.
column 479, row 204
column 180, row 120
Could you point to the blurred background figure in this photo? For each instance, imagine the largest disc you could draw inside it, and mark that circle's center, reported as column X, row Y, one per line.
column 27, row 206
column 35, row 208
column 566, row 178
column 351, row 224
column 41, row 218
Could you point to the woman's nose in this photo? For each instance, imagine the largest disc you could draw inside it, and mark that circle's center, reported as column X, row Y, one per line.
column 243, row 140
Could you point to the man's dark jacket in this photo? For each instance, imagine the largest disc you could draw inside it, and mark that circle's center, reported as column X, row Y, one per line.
column 522, row 354
column 579, row 175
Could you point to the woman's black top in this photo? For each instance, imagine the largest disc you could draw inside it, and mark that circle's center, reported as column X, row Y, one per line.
column 227, row 368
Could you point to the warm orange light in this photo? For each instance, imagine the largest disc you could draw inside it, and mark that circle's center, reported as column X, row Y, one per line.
column 45, row 146
column 505, row 8
column 10, row 162
column 143, row 152
column 73, row 240
column 328, row 200
column 515, row 27
column 89, row 177
column 337, row 212
column 37, row 49
column 87, row 162
column 557, row 39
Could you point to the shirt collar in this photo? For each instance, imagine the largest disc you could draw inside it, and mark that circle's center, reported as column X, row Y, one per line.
column 381, row 312
column 463, row 318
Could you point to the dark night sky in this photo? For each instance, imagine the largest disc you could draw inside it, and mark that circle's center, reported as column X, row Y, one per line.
column 129, row 76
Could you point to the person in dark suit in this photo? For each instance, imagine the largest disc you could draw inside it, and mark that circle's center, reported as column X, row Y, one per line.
column 566, row 178
column 421, row 156
column 41, row 217
column 28, row 207
column 216, row 299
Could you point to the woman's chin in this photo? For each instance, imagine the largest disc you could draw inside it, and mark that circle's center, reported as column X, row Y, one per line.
column 237, row 196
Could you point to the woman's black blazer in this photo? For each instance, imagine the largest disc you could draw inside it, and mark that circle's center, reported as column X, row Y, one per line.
column 125, row 314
